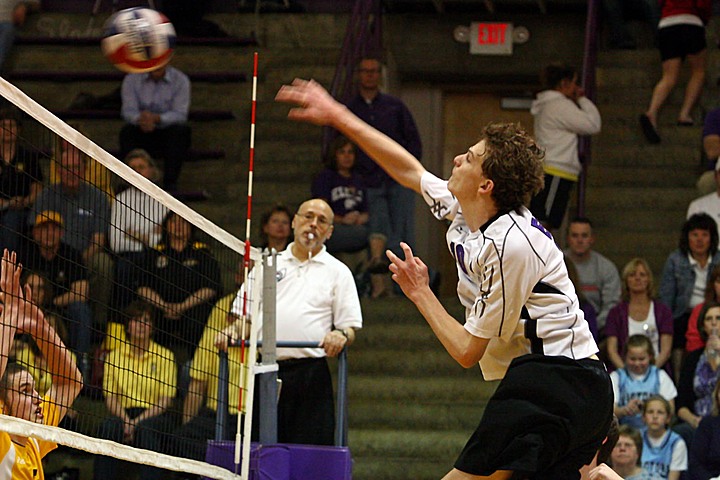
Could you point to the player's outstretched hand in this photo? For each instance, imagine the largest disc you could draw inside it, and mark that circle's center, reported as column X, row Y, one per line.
column 16, row 301
column 314, row 104
column 411, row 274
column 603, row 472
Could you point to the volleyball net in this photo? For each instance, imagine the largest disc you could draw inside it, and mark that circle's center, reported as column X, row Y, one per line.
column 136, row 284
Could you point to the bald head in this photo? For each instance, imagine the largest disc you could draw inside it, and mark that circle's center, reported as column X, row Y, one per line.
column 312, row 225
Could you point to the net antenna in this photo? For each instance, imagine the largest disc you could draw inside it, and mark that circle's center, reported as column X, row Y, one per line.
column 247, row 380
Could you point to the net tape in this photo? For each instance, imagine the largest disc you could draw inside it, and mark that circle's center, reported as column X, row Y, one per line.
column 18, row 426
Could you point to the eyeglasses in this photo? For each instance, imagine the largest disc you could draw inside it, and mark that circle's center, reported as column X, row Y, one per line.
column 369, row 70
column 309, row 217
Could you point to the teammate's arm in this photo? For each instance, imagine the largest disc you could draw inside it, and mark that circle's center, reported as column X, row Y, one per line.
column 315, row 105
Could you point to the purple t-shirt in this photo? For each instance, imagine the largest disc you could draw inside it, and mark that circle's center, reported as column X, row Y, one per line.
column 344, row 194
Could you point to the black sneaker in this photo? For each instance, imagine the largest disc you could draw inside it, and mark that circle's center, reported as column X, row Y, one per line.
column 649, row 130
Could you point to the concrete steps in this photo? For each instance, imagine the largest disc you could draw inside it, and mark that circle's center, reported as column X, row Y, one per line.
column 638, row 193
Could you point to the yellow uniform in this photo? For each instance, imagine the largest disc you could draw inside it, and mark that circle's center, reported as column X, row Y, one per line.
column 140, row 381
column 206, row 364
column 24, row 462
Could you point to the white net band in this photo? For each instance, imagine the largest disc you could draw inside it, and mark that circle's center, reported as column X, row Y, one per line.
column 17, row 426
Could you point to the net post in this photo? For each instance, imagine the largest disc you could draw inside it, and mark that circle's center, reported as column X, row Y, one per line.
column 268, row 380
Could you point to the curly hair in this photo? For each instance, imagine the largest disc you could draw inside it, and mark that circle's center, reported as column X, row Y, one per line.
column 513, row 161
column 699, row 221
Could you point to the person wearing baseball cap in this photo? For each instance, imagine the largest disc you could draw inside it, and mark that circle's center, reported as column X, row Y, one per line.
column 62, row 266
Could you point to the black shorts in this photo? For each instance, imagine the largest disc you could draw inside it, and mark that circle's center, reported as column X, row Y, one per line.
column 547, row 419
column 679, row 41
column 550, row 204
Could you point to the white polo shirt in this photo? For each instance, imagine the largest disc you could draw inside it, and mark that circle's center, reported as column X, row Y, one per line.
column 513, row 284
column 313, row 297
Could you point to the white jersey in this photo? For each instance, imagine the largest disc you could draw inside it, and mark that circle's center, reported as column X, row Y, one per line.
column 513, row 284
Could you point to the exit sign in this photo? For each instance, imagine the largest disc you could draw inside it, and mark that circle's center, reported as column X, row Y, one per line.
column 491, row 38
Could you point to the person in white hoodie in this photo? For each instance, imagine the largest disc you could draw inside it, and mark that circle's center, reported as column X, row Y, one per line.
column 561, row 112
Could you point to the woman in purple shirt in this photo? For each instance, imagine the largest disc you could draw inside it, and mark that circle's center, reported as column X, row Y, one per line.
column 345, row 192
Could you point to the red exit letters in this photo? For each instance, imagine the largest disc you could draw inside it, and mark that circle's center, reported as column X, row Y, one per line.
column 491, row 33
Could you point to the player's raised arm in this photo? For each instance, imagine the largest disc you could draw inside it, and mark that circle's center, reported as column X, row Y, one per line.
column 315, row 105
column 28, row 318
column 8, row 315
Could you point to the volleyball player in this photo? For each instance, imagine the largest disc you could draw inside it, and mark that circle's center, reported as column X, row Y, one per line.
column 523, row 323
column 21, row 456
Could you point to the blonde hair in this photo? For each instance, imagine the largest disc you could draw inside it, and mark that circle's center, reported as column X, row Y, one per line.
column 630, row 268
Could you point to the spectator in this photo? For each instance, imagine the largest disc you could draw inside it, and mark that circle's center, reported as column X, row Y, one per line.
column 627, row 453
column 344, row 191
column 699, row 374
column 20, row 180
column 155, row 108
column 664, row 451
column 275, row 228
column 681, row 33
column 638, row 380
column 139, row 385
column 638, row 313
column 22, row 456
column 85, row 211
column 704, row 458
column 712, row 294
column 47, row 255
column 391, row 206
column 201, row 402
column 711, row 152
column 709, row 203
column 182, row 279
column 585, row 306
column 12, row 14
column 561, row 113
column 316, row 302
column 599, row 277
column 135, row 227
column 95, row 172
column 685, row 276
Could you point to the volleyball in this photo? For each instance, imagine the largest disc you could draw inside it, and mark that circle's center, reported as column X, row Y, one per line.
column 138, row 40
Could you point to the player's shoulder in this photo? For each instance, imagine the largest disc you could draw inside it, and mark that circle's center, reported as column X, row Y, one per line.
column 519, row 230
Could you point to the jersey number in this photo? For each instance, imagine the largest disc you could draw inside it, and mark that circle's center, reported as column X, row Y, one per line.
column 459, row 253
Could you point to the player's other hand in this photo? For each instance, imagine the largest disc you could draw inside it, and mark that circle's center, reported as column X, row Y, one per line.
column 314, row 104
column 411, row 274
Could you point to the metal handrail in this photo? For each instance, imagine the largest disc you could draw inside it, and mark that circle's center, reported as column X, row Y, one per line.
column 341, row 427
column 589, row 85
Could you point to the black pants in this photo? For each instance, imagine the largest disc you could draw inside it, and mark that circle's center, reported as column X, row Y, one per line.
column 306, row 413
column 171, row 143
column 151, row 434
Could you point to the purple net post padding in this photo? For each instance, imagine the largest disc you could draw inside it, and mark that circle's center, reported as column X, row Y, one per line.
column 286, row 461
